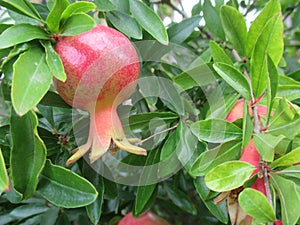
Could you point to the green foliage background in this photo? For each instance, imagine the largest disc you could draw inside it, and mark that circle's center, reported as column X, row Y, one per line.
column 250, row 59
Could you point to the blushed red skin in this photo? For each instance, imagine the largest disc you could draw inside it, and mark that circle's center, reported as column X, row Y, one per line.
column 237, row 111
column 102, row 68
column 147, row 218
column 99, row 64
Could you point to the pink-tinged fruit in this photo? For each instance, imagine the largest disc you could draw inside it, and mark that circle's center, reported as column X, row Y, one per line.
column 237, row 111
column 148, row 218
column 102, row 70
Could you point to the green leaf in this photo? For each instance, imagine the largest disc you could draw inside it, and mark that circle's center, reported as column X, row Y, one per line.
column 145, row 192
column 272, row 84
column 213, row 157
column 140, row 122
column 21, row 33
column 53, row 18
column 216, row 130
column 235, row 28
column 255, row 204
column 4, row 181
column 197, row 76
column 218, row 210
column 94, row 210
column 213, row 20
column 180, row 199
column 289, row 129
column 25, row 211
column 288, row 159
column 257, row 27
column 23, row 7
column 54, row 62
column 271, row 42
column 289, row 199
column 31, row 80
column 234, row 78
column 219, row 54
column 149, row 20
column 65, row 188
column 265, row 144
column 28, row 153
column 77, row 7
column 178, row 32
column 105, row 5
column 291, row 92
column 292, row 171
column 247, row 126
column 77, row 24
column 125, row 23
column 228, row 176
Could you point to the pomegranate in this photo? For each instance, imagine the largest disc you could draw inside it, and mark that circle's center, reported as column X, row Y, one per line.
column 102, row 69
column 237, row 111
column 148, row 218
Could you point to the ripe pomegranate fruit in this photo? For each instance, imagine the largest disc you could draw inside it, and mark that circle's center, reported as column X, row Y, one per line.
column 148, row 218
column 102, row 69
column 237, row 111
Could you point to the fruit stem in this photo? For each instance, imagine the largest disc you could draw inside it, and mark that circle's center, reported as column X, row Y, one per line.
column 256, row 130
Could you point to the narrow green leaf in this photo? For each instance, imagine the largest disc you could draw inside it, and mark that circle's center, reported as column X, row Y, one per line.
column 255, row 204
column 25, row 211
column 291, row 92
column 257, row 27
column 141, row 121
column 234, row 78
column 53, row 18
column 23, row 7
column 28, row 153
column 77, row 7
column 228, row 176
column 292, row 171
column 54, row 62
column 218, row 210
column 219, row 54
column 289, row 199
column 290, row 129
column 105, row 5
column 235, row 28
column 65, row 188
column 149, row 20
column 213, row 20
column 125, row 23
column 21, row 33
column 272, row 84
column 213, row 157
column 270, row 41
column 77, row 24
column 288, row 159
column 197, row 76
column 178, row 32
column 180, row 199
column 265, row 144
column 94, row 210
column 144, row 192
column 216, row 130
column 31, row 80
column 247, row 125
column 4, row 181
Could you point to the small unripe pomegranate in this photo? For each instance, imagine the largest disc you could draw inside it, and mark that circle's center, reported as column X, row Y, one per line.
column 148, row 218
column 102, row 69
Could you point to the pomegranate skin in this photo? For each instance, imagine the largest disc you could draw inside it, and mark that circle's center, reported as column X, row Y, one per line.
column 99, row 64
column 102, row 70
column 147, row 218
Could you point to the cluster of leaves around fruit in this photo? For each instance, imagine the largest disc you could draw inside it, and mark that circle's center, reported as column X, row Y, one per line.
column 36, row 145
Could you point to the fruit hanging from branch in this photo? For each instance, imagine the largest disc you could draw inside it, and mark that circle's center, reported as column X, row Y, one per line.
column 102, row 70
column 148, row 218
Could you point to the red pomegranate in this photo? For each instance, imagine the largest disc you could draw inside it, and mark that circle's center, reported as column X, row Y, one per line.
column 148, row 218
column 102, row 70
